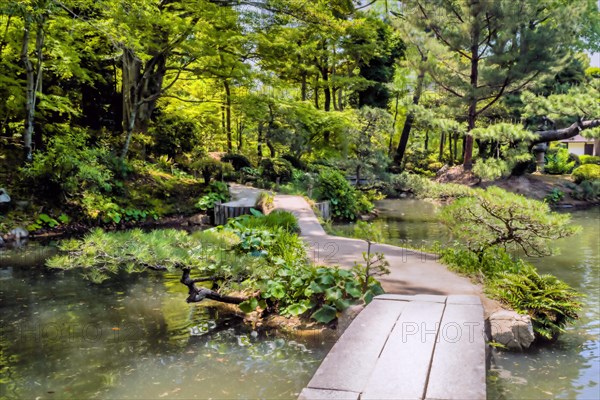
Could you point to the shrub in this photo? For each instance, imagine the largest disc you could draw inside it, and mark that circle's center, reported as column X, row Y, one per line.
column 586, row 159
column 345, row 201
column 209, row 168
column 587, row 172
column 550, row 302
column 238, row 161
column 173, row 135
column 559, row 161
column 495, row 217
column 554, row 196
column 277, row 219
column 70, row 165
column 276, row 169
column 587, row 190
column 295, row 161
column 494, row 261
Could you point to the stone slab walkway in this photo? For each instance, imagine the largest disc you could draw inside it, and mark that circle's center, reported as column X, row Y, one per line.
column 412, row 272
column 407, row 347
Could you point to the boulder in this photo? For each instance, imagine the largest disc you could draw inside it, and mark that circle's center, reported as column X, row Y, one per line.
column 4, row 197
column 347, row 316
column 1, row 241
column 18, row 234
column 511, row 329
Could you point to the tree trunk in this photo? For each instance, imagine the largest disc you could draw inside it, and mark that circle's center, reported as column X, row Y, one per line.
column 228, row 114
column 197, row 294
column 270, row 127
column 410, row 118
column 442, row 143
column 33, row 83
column 393, row 132
column 240, row 130
column 474, row 78
column 316, row 94
column 141, row 90
column 303, row 85
column 259, row 143
column 327, row 92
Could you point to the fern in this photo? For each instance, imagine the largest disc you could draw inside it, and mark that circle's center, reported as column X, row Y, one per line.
column 550, row 302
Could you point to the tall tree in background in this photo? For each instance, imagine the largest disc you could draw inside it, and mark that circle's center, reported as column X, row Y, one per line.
column 486, row 49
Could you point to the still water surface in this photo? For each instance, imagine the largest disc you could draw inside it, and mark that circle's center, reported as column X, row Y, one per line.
column 62, row 338
column 568, row 369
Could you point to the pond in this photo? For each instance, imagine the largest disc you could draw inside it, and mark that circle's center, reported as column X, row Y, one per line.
column 134, row 338
column 569, row 368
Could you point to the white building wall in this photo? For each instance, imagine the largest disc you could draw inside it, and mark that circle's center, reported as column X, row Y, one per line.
column 576, row 148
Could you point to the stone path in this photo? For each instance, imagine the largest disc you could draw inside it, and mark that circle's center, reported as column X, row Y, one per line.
column 407, row 347
column 412, row 272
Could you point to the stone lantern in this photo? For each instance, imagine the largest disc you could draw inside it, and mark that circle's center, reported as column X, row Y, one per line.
column 540, row 152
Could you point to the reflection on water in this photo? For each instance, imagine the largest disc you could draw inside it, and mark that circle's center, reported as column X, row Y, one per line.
column 63, row 338
column 569, row 368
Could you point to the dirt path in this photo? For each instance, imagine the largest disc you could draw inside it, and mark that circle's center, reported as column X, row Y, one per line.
column 412, row 272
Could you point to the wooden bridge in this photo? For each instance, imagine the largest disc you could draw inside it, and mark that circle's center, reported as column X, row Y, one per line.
column 407, row 347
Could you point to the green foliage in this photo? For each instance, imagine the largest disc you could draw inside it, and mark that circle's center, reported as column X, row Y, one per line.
column 495, row 217
column 374, row 264
column 551, row 303
column 494, row 261
column 276, row 169
column 270, row 264
column 238, row 161
column 210, row 168
column 587, row 190
column 173, row 134
column 70, row 165
column 217, row 192
column 208, row 201
column 587, row 172
column 559, row 161
column 346, row 202
column 277, row 219
column 554, row 196
column 45, row 221
column 424, row 188
column 586, row 159
column 295, row 162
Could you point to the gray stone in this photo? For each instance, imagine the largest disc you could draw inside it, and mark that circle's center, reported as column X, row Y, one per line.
column 348, row 365
column 463, row 299
column 323, row 394
column 18, row 233
column 4, row 197
column 458, row 364
column 1, row 241
column 402, row 368
column 347, row 317
column 199, row 219
column 511, row 329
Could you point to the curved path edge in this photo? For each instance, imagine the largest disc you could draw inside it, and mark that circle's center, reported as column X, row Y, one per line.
column 412, row 272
